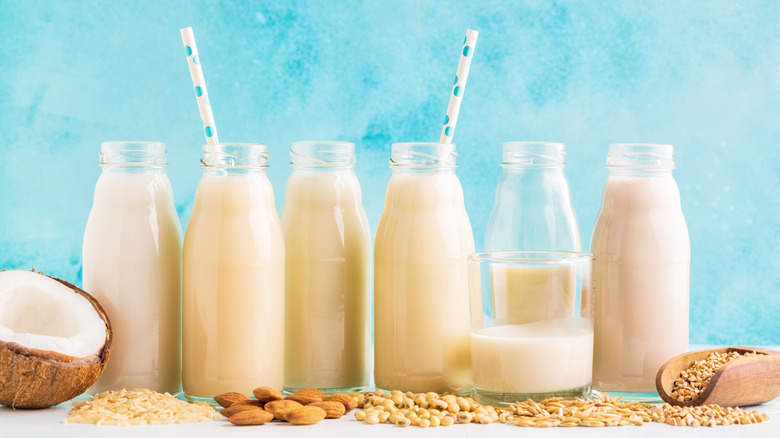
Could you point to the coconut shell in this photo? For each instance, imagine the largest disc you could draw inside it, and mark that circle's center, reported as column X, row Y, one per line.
column 33, row 379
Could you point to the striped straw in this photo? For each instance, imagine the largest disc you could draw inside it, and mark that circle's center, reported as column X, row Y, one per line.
column 458, row 86
column 209, row 127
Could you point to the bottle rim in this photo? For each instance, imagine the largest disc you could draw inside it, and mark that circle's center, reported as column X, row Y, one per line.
column 323, row 154
column 132, row 153
column 641, row 156
column 533, row 154
column 423, row 155
column 542, row 257
column 234, row 155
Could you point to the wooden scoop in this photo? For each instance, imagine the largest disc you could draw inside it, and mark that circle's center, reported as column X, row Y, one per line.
column 744, row 381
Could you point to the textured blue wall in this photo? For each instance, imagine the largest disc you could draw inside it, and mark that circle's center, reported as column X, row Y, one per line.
column 703, row 76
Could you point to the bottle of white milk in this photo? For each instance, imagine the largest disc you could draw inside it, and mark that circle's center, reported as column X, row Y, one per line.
column 132, row 265
column 421, row 300
column 233, row 291
column 642, row 267
column 533, row 210
column 327, row 282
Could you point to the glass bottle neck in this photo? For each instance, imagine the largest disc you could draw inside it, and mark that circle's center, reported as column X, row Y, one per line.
column 233, row 171
column 639, row 172
column 132, row 169
column 424, row 170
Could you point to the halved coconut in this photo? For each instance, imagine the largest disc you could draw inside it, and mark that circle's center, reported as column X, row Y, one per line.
column 55, row 340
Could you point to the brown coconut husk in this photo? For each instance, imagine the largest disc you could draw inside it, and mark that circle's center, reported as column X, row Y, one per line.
column 33, row 379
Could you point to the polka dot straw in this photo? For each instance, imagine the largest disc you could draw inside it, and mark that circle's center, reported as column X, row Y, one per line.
column 209, row 127
column 448, row 130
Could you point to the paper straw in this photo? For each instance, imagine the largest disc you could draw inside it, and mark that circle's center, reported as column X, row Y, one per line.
column 456, row 97
column 202, row 96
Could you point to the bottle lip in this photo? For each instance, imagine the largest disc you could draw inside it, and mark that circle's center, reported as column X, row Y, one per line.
column 423, row 155
column 533, row 154
column 133, row 153
column 532, row 257
column 640, row 156
column 323, row 154
column 234, row 155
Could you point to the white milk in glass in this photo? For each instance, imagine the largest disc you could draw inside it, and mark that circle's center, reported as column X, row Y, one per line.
column 233, row 291
column 532, row 325
column 421, row 307
column 132, row 265
column 642, row 267
column 327, row 270
column 546, row 356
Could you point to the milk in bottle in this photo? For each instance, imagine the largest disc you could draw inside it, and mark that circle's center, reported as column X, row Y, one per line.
column 233, row 290
column 642, row 266
column 421, row 301
column 132, row 265
column 327, row 270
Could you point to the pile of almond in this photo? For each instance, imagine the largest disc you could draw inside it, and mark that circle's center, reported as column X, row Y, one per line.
column 307, row 406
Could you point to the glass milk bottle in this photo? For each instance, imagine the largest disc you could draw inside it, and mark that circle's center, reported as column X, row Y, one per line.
column 132, row 265
column 533, row 208
column 642, row 267
column 328, row 247
column 421, row 298
column 233, row 292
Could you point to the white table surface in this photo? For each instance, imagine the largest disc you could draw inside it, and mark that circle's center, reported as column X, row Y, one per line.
column 48, row 423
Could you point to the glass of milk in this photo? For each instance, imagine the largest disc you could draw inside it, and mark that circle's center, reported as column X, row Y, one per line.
column 531, row 325
column 328, row 250
column 233, row 272
column 421, row 301
column 132, row 265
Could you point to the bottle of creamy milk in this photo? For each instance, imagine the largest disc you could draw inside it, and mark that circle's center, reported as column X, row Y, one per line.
column 421, row 300
column 233, row 291
column 132, row 265
column 533, row 208
column 642, row 267
column 327, row 280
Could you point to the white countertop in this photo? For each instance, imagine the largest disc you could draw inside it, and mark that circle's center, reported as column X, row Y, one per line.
column 48, row 423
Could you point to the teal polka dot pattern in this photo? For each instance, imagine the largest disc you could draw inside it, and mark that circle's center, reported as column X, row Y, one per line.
column 457, row 91
column 456, row 80
column 448, row 131
column 188, row 49
column 199, row 91
column 209, row 131
column 195, row 60
column 206, row 100
column 446, row 119
column 467, row 51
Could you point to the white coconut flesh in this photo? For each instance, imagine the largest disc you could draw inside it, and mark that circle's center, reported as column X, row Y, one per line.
column 40, row 313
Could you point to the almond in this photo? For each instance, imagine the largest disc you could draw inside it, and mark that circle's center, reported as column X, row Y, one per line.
column 249, row 402
column 305, row 415
column 227, row 412
column 333, row 409
column 266, row 394
column 279, row 407
column 251, row 417
column 306, row 396
column 228, row 398
column 348, row 402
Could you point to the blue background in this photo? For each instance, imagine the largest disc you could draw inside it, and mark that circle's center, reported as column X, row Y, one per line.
column 702, row 75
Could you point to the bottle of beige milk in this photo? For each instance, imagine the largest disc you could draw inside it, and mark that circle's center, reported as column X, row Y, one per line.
column 642, row 270
column 421, row 300
column 132, row 265
column 327, row 280
column 233, row 291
